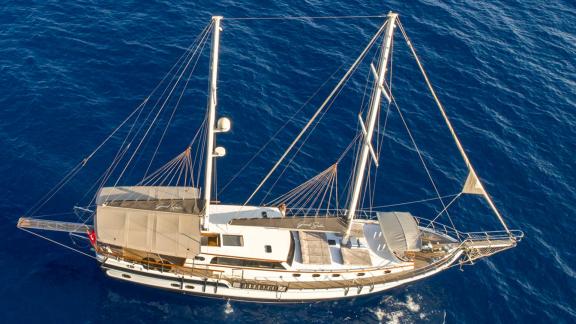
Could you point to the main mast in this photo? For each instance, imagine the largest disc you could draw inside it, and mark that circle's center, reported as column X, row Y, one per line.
column 212, row 102
column 372, row 117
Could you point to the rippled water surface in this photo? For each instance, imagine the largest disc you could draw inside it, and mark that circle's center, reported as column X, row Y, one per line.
column 505, row 70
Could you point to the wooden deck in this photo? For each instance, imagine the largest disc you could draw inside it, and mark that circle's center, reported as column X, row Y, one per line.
column 309, row 224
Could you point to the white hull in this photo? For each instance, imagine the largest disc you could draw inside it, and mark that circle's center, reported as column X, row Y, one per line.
column 224, row 290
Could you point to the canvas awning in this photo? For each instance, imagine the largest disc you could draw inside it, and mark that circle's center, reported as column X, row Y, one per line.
column 164, row 233
column 140, row 193
column 400, row 231
column 168, row 199
column 160, row 220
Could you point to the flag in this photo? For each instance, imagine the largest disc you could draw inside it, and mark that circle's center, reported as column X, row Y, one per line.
column 91, row 237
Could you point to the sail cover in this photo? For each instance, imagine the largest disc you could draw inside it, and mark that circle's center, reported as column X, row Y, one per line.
column 140, row 193
column 164, row 233
column 161, row 220
column 400, row 231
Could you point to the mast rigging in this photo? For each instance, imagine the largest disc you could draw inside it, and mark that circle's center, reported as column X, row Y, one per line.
column 372, row 117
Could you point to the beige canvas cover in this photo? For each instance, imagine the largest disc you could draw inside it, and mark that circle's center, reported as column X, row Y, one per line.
column 314, row 248
column 473, row 185
column 132, row 193
column 352, row 256
column 165, row 233
column 400, row 231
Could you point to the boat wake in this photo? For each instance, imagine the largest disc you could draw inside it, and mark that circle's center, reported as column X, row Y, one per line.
column 228, row 309
column 393, row 310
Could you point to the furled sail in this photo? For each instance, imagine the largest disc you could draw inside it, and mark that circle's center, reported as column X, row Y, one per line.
column 473, row 185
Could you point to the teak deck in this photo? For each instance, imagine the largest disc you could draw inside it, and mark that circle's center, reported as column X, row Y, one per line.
column 309, row 224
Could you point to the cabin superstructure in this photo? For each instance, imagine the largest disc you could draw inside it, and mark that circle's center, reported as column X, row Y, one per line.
column 176, row 237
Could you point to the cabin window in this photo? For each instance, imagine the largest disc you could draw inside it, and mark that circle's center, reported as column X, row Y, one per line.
column 264, row 214
column 268, row 248
column 210, row 239
column 332, row 242
column 199, row 258
column 246, row 263
column 126, row 276
column 189, row 287
column 361, row 274
column 335, row 275
column 296, row 275
column 387, row 271
column 175, row 285
column 315, row 275
column 290, row 258
column 232, row 240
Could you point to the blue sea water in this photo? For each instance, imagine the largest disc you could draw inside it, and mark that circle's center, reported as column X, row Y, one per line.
column 505, row 71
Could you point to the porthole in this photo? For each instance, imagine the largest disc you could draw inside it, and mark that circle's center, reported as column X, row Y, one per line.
column 296, row 275
column 361, row 274
column 126, row 276
column 315, row 275
column 175, row 285
column 387, row 271
column 335, row 275
column 189, row 287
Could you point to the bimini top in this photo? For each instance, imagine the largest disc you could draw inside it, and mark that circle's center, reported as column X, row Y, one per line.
column 161, row 220
column 400, row 231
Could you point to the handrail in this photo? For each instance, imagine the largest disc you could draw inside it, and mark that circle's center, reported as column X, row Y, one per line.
column 516, row 235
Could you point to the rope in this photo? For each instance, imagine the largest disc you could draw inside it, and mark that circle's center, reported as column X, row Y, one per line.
column 413, row 202
column 333, row 99
column 177, row 104
column 445, row 209
column 421, row 158
column 280, row 129
column 311, row 195
column 71, row 174
column 320, row 109
column 159, row 111
column 187, row 57
column 450, row 127
column 306, row 17
column 58, row 243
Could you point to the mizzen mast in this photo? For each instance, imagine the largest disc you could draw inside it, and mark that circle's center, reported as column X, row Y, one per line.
column 211, row 125
column 372, row 117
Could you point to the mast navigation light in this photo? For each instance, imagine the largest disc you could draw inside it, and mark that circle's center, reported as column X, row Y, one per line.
column 219, row 152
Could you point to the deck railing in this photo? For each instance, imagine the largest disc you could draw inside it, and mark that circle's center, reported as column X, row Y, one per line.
column 436, row 226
